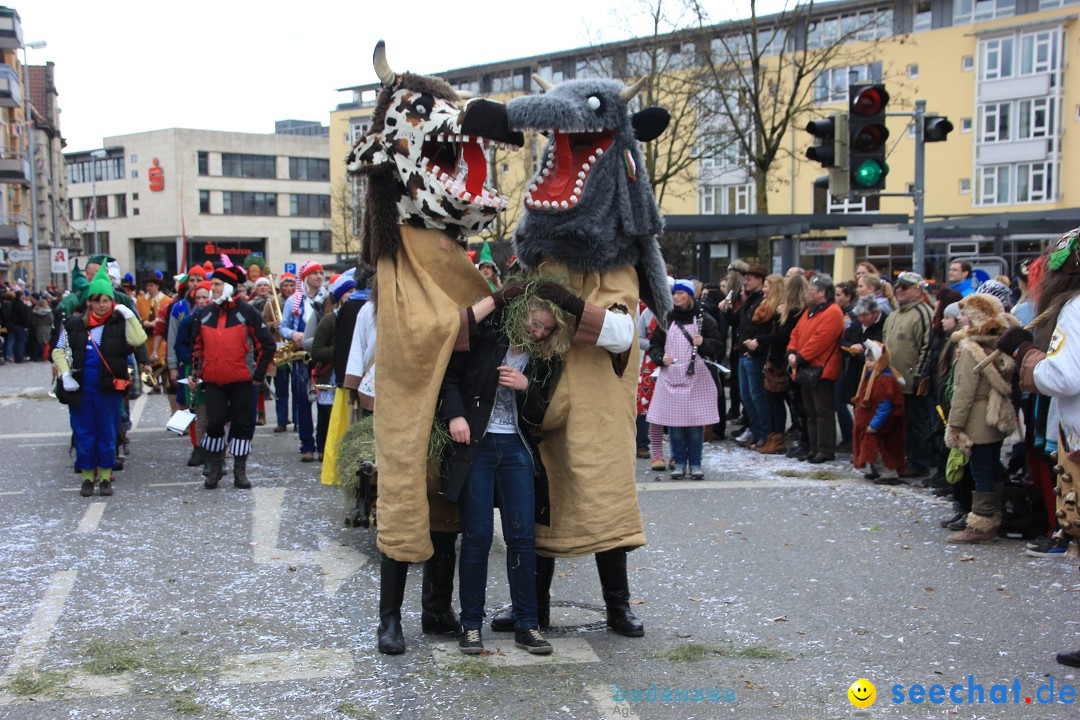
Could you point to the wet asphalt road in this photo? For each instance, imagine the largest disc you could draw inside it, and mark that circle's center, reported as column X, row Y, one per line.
column 773, row 589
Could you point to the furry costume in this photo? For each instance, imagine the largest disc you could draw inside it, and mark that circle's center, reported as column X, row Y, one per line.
column 425, row 166
column 879, row 383
column 591, row 219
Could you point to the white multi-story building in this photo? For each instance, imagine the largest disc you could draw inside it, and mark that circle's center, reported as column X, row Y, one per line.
column 226, row 192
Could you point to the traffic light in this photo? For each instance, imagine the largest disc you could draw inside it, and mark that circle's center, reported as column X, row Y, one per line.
column 936, row 128
column 831, row 149
column 867, row 135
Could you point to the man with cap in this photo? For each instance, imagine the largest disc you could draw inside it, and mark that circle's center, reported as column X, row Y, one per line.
column 271, row 314
column 752, row 362
column 907, row 335
column 234, row 348
column 295, row 316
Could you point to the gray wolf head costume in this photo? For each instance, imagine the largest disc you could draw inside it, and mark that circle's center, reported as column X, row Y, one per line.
column 590, row 205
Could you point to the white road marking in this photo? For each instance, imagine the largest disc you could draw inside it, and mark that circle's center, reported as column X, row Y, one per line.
column 339, row 562
column 136, row 411
column 609, row 707
column 91, row 518
column 303, row 664
column 505, row 654
column 12, row 492
column 67, row 434
column 31, row 647
column 175, row 484
column 55, row 444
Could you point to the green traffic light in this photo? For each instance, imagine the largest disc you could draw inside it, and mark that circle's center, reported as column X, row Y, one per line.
column 869, row 173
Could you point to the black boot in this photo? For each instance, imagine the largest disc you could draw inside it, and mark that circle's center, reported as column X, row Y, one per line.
column 392, row 575
column 438, row 616
column 240, row 478
column 198, row 457
column 611, row 564
column 1072, row 659
column 545, row 570
column 215, row 469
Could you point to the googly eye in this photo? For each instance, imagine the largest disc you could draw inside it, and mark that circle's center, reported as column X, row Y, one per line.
column 593, row 102
column 421, row 109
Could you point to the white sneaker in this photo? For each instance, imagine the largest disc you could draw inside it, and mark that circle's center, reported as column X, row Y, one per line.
column 746, row 437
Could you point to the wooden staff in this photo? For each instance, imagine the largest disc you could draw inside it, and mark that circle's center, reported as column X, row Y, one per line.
column 997, row 353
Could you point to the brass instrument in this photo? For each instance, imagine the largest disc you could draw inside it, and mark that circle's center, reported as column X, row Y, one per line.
column 288, row 352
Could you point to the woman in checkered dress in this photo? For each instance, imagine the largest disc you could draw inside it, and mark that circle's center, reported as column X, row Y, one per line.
column 684, row 398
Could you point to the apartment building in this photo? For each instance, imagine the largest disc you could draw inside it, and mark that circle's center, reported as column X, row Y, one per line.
column 228, row 193
column 999, row 69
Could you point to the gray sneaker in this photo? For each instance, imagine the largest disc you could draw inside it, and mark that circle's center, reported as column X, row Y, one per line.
column 697, row 473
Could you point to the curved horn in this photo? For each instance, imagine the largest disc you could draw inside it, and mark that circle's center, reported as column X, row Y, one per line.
column 382, row 68
column 544, row 84
column 465, row 95
column 627, row 93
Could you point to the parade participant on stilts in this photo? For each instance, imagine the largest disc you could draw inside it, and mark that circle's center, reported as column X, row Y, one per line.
column 234, row 348
column 295, row 316
column 591, row 219
column 99, row 342
column 1055, row 372
column 424, row 160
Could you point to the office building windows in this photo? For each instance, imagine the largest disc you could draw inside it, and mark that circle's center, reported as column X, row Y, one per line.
column 204, row 202
column 318, row 241
column 309, row 205
column 309, row 169
column 995, row 122
column 120, row 202
column 204, row 163
column 832, row 85
column 249, row 203
column 248, row 166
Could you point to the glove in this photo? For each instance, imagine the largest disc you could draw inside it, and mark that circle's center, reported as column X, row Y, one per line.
column 1014, row 341
column 506, row 293
column 70, row 383
column 557, row 294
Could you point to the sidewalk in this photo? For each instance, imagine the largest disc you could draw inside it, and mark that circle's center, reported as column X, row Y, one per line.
column 26, row 379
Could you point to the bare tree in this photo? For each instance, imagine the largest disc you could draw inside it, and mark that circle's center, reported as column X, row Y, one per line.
column 762, row 76
column 505, row 166
column 347, row 199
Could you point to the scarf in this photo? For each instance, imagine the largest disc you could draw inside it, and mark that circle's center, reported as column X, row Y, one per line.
column 92, row 320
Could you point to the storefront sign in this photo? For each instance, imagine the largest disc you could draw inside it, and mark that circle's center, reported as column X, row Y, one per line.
column 59, row 261
column 819, row 247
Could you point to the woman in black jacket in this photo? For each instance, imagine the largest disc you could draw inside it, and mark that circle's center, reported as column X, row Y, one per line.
column 491, row 398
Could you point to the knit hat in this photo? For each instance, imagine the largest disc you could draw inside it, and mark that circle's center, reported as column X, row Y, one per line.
column 983, row 311
column 196, row 270
column 231, row 276
column 307, row 268
column 286, row 276
column 687, row 286
column 204, row 285
column 738, row 266
column 998, row 290
column 345, row 283
column 263, row 281
column 953, row 310
column 1066, row 253
column 487, row 259
column 101, row 284
column 757, row 270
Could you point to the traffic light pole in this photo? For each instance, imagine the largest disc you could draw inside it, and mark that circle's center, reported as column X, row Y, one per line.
column 918, row 260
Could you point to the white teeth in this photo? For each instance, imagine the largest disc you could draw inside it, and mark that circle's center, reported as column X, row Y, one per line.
column 599, row 152
column 444, row 177
column 467, row 196
column 579, row 183
column 441, row 137
column 577, row 191
column 564, row 205
column 532, row 187
column 435, row 170
column 592, row 158
column 546, row 172
column 585, row 167
column 547, row 205
column 581, row 174
column 573, row 199
column 464, row 138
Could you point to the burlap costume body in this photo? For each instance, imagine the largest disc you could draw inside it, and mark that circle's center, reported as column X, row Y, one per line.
column 589, row 434
column 421, row 291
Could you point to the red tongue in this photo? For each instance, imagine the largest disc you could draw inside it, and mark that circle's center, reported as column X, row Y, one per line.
column 476, row 167
column 564, row 160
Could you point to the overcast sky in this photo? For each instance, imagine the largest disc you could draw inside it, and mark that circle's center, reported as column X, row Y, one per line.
column 126, row 66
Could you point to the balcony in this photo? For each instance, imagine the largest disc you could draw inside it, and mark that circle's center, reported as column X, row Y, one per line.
column 10, row 29
column 14, row 170
column 10, row 87
column 14, row 229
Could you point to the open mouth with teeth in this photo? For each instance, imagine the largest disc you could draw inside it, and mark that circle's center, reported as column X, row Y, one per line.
column 460, row 164
column 569, row 159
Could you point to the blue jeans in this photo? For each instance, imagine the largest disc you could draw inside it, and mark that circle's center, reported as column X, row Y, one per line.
column 986, row 466
column 281, row 393
column 686, row 445
column 754, row 399
column 302, row 407
column 502, row 464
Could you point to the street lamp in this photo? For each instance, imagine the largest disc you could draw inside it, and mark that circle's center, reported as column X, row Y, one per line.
column 29, row 118
column 95, row 155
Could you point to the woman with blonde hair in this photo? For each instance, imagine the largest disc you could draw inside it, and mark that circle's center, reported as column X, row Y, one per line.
column 785, row 299
column 873, row 285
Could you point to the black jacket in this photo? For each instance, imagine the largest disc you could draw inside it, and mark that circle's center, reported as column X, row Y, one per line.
column 113, row 346
column 469, row 388
column 712, row 345
column 748, row 329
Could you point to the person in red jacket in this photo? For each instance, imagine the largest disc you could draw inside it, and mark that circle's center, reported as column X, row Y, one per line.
column 233, row 348
column 813, row 344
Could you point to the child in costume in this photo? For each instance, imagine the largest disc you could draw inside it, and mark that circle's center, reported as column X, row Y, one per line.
column 878, row 433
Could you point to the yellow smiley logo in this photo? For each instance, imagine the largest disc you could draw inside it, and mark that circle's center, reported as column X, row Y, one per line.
column 862, row 693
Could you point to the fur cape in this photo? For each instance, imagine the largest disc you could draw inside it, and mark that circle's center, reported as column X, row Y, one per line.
column 890, row 441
